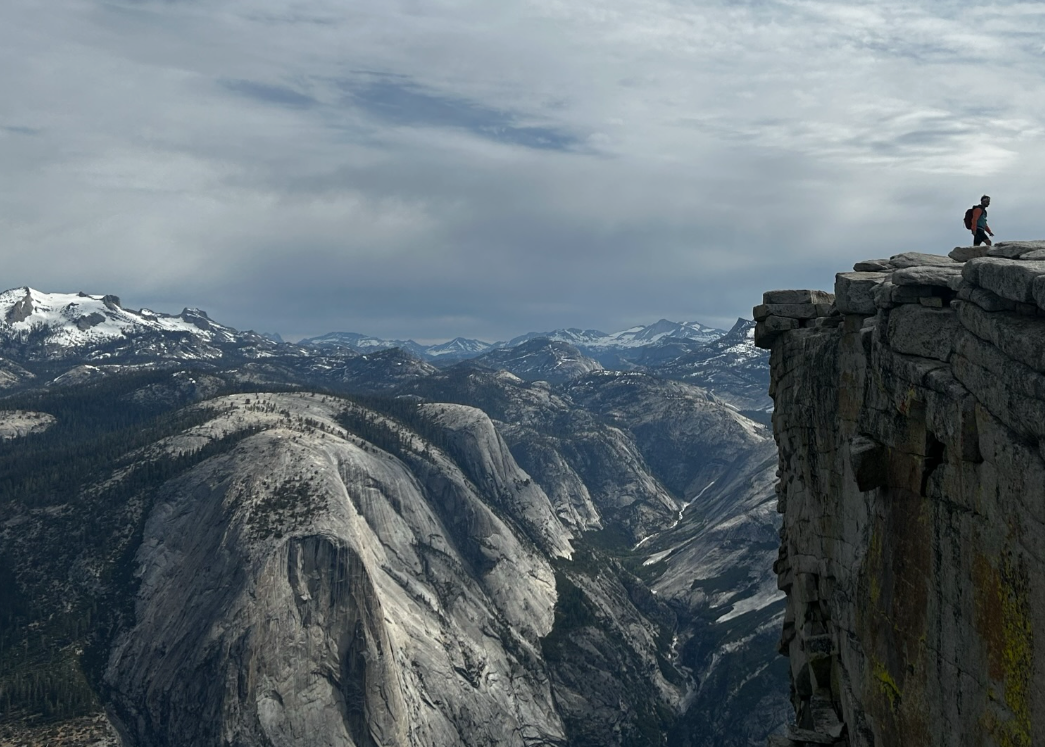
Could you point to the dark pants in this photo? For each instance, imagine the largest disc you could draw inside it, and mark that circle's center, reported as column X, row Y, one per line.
column 981, row 238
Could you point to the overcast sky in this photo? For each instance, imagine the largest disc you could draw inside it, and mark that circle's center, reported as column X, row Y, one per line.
column 433, row 168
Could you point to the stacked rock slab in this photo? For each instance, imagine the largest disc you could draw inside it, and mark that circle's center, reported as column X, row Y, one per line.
column 910, row 420
column 784, row 310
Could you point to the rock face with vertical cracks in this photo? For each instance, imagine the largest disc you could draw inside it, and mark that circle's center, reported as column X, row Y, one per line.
column 309, row 588
column 910, row 422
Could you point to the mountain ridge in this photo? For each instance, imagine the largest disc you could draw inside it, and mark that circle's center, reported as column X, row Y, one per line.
column 100, row 318
column 37, row 325
column 586, row 340
column 393, row 516
column 94, row 335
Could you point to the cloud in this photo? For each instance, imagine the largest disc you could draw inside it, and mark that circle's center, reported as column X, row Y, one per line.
column 433, row 169
column 270, row 94
column 402, row 102
column 20, row 130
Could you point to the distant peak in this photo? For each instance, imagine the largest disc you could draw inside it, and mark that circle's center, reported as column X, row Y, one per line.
column 21, row 310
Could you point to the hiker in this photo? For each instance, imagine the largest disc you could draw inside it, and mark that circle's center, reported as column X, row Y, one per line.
column 976, row 221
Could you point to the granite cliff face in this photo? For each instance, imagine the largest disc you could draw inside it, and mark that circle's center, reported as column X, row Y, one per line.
column 910, row 420
column 478, row 560
column 276, row 546
column 308, row 588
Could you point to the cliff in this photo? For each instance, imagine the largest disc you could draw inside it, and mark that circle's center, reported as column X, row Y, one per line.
column 309, row 588
column 910, row 420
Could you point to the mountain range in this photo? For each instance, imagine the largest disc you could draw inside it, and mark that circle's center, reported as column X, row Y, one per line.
column 589, row 341
column 211, row 537
column 54, row 326
column 97, row 332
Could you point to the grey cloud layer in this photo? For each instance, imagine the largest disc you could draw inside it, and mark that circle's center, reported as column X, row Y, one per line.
column 433, row 169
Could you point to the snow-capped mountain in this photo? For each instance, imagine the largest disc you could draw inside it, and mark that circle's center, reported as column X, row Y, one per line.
column 76, row 337
column 731, row 367
column 541, row 359
column 608, row 348
column 588, row 340
column 571, row 336
column 48, row 326
column 360, row 343
column 638, row 336
column 457, row 349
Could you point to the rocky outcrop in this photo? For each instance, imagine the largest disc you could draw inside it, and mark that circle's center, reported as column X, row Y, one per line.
column 19, row 423
column 20, row 309
column 309, row 588
column 38, row 328
column 542, row 359
column 784, row 310
column 12, row 375
column 910, row 421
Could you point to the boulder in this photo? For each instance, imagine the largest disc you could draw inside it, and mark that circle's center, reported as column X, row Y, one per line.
column 918, row 259
column 1015, row 249
column 965, row 253
column 984, row 298
column 934, row 275
column 797, row 296
column 873, row 265
column 926, row 332
column 887, row 295
column 789, row 310
column 792, row 310
column 1009, row 278
column 824, row 321
column 854, row 291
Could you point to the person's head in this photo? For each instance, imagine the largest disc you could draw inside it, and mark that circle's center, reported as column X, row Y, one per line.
column 985, row 200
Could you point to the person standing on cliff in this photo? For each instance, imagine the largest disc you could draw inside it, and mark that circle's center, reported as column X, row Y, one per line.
column 979, row 226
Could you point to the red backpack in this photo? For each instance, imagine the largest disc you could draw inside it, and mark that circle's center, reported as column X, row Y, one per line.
column 968, row 215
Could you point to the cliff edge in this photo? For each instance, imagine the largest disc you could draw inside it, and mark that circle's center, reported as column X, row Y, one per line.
column 910, row 420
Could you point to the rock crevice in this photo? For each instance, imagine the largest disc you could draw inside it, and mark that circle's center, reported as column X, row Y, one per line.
column 910, row 421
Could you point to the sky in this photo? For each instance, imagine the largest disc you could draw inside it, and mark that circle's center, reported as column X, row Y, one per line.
column 428, row 169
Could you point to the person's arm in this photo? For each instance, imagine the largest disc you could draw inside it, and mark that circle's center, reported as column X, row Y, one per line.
column 988, row 229
column 976, row 213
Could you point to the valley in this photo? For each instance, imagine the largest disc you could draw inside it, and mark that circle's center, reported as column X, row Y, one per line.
column 368, row 549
